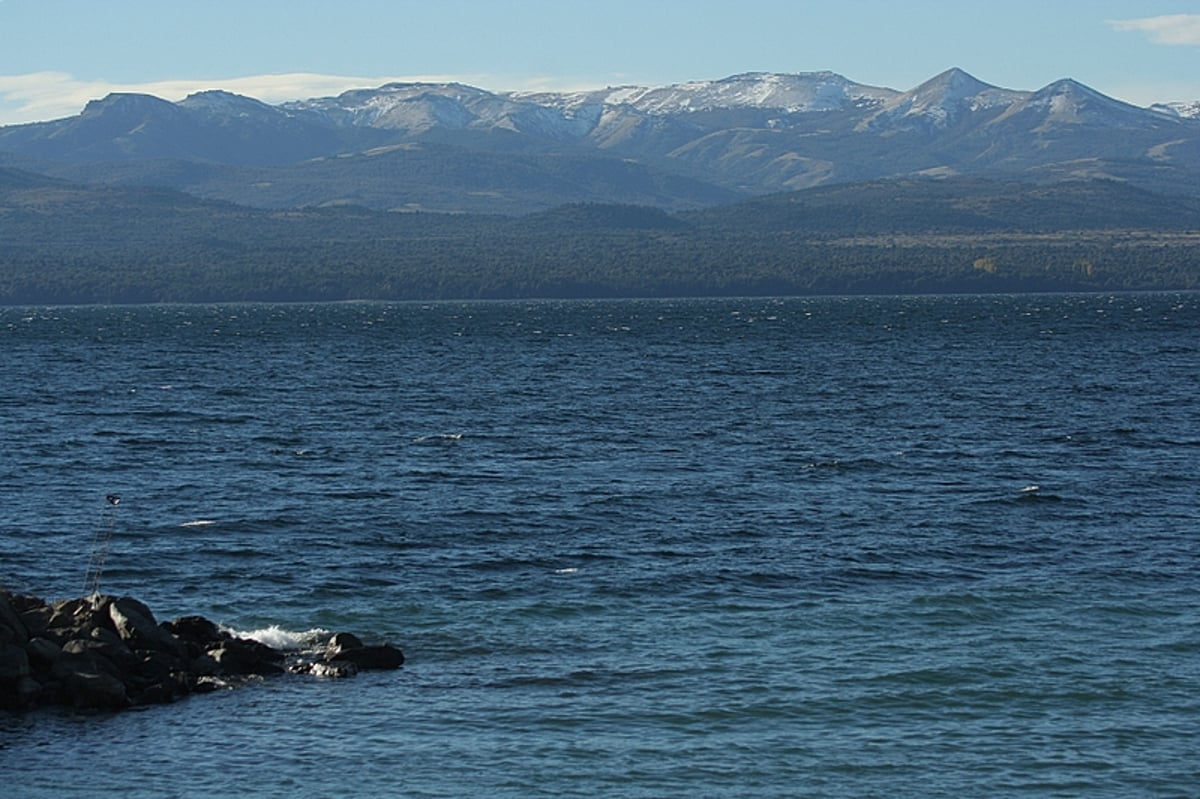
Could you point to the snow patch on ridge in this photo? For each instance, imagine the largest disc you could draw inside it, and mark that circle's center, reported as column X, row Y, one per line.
column 1186, row 110
column 802, row 93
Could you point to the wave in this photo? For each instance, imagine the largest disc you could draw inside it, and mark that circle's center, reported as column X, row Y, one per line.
column 1029, row 494
column 278, row 638
column 439, row 437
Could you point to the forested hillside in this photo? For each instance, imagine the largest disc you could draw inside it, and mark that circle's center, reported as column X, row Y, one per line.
column 64, row 243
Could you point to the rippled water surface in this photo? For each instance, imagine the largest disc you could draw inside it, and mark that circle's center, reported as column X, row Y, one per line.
column 901, row 547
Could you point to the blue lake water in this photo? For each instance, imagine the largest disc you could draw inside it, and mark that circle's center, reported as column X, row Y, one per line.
column 836, row 547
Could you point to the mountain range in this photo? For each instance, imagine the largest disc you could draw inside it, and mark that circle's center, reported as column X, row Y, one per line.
column 456, row 148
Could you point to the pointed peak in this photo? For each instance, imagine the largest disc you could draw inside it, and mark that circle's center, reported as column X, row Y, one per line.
column 1069, row 102
column 942, row 100
column 1071, row 90
column 1069, row 87
column 1064, row 85
column 957, row 80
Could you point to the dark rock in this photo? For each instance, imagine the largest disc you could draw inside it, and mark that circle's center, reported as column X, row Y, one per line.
column 74, row 618
column 104, row 643
column 37, row 619
column 79, row 655
column 95, row 690
column 43, row 652
column 196, row 629
column 87, row 679
column 341, row 642
column 68, row 613
column 204, row 665
column 158, row 679
column 381, row 656
column 14, row 663
column 11, row 620
column 134, row 622
column 239, row 656
column 25, row 694
column 34, row 612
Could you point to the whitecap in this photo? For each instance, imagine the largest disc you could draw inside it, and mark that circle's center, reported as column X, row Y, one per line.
column 440, row 437
column 199, row 523
column 276, row 637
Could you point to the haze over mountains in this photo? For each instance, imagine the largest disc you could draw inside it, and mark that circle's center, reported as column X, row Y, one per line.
column 456, row 148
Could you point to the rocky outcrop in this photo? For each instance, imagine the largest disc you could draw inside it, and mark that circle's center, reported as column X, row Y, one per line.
column 109, row 653
column 347, row 648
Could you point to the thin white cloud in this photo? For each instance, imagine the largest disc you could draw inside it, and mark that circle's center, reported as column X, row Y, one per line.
column 1171, row 29
column 42, row 96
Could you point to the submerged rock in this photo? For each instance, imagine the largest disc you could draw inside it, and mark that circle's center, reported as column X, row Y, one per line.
column 109, row 653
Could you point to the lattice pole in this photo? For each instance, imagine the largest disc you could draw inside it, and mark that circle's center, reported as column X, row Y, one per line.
column 103, row 537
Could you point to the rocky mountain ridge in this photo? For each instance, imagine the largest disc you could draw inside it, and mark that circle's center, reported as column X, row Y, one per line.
column 454, row 148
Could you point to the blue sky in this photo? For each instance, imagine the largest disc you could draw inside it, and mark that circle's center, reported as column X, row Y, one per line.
column 55, row 55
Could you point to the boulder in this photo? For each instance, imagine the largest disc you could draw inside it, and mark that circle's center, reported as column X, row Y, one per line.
column 378, row 656
column 195, row 629
column 95, row 690
column 159, row 678
column 86, row 679
column 43, row 652
column 25, row 694
column 78, row 656
column 104, row 643
column 14, row 663
column 237, row 656
column 11, row 620
column 135, row 624
column 34, row 612
column 74, row 618
column 341, row 642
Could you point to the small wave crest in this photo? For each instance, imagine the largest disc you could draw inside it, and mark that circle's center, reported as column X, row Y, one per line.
column 198, row 523
column 276, row 637
column 439, row 437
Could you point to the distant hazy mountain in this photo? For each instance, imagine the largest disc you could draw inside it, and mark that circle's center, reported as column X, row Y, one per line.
column 451, row 147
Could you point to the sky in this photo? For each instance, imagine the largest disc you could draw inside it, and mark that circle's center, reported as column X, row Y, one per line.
column 56, row 55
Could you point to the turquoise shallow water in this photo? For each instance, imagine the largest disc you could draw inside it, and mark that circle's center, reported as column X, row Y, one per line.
column 829, row 547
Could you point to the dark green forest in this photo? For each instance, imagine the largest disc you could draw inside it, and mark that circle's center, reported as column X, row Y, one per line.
column 62, row 243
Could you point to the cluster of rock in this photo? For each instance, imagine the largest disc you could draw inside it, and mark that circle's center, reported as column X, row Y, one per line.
column 109, row 653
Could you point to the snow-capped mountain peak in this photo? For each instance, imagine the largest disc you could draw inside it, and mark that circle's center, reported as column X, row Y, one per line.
column 219, row 103
column 1069, row 102
column 789, row 93
column 942, row 100
column 398, row 105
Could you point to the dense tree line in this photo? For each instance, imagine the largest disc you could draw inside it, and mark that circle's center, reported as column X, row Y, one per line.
column 62, row 245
